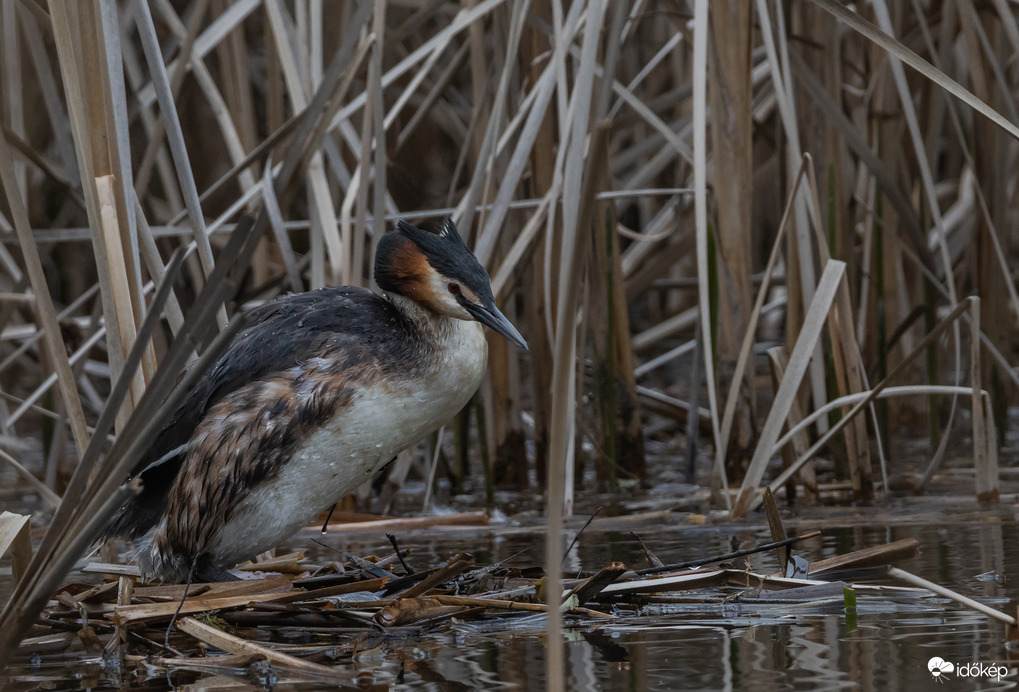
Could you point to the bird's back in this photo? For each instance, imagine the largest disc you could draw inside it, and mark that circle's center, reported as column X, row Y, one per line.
column 349, row 326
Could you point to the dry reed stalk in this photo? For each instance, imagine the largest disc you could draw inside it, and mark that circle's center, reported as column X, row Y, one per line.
column 214, row 99
column 94, row 114
column 119, row 285
column 620, row 437
column 776, row 528
column 236, row 645
column 175, row 138
column 742, row 363
column 986, row 472
column 378, row 112
column 16, row 540
column 406, row 523
column 564, row 396
column 12, row 76
column 798, row 361
column 116, row 194
column 800, row 269
column 897, row 52
column 866, row 557
column 730, row 96
column 484, row 148
column 629, row 435
column 156, row 127
column 537, row 310
column 849, row 377
column 778, row 362
column 897, row 573
column 323, row 214
column 56, row 352
column 701, row 212
column 47, row 495
column 505, row 438
column 599, row 316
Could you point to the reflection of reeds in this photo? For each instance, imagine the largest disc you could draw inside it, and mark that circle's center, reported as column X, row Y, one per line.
column 333, row 118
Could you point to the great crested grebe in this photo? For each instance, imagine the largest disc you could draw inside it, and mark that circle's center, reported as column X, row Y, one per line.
column 317, row 392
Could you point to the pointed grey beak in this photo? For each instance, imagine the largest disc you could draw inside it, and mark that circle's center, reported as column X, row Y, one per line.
column 492, row 317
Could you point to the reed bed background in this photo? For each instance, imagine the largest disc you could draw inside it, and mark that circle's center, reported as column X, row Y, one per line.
column 730, row 231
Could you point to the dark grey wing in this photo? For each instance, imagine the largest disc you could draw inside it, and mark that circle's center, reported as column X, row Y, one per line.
column 276, row 337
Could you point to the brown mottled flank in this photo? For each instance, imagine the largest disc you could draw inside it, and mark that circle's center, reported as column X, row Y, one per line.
column 240, row 444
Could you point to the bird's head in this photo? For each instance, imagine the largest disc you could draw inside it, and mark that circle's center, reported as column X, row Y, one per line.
column 439, row 272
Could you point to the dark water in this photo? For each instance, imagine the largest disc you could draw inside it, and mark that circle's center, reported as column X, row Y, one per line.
column 754, row 647
column 732, row 646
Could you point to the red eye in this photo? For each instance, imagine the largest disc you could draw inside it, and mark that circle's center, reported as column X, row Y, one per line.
column 454, row 289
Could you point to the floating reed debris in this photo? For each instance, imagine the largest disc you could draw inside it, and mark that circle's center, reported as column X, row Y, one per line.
column 283, row 621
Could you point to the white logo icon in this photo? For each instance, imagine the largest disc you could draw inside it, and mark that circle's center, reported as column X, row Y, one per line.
column 940, row 668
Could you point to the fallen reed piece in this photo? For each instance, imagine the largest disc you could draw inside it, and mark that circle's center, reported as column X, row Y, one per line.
column 909, row 578
column 235, row 645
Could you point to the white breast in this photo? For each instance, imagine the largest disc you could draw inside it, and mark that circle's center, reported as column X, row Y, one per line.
column 380, row 421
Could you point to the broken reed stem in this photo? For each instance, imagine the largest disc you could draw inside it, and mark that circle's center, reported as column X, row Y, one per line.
column 512, row 605
column 866, row 557
column 728, row 556
column 16, row 539
column 909, row 578
column 985, row 461
column 235, row 645
column 799, row 361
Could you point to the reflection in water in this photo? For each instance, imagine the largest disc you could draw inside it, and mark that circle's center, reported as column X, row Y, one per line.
column 756, row 647
column 702, row 646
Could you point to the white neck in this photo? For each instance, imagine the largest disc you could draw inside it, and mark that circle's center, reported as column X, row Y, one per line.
column 436, row 327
